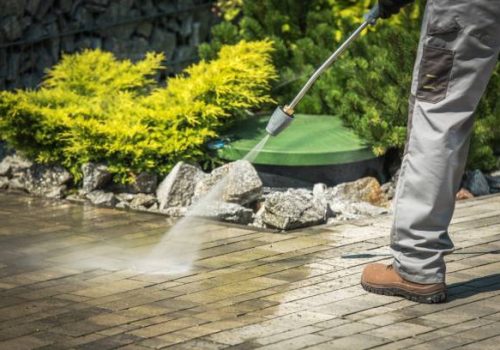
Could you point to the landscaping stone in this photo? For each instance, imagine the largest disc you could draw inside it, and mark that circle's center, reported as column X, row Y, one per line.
column 357, row 199
column 207, row 184
column 54, row 192
column 143, row 200
column 125, row 197
column 122, row 205
column 4, row 182
column 363, row 190
column 43, row 8
column 292, row 209
column 241, row 183
column 494, row 182
column 13, row 7
column 32, row 6
column 258, row 222
column 17, row 184
column 76, row 197
column 319, row 190
column 464, row 194
column 268, row 190
column 177, row 189
column 12, row 28
column 320, row 195
column 346, row 210
column 141, row 183
column 154, row 208
column 476, row 183
column 95, row 176
column 13, row 164
column 389, row 190
column 144, row 183
column 175, row 212
column 43, row 180
column 221, row 211
column 102, row 198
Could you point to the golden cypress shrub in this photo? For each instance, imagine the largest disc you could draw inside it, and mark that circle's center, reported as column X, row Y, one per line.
column 93, row 107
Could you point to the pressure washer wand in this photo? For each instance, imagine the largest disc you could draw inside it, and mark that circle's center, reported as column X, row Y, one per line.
column 282, row 117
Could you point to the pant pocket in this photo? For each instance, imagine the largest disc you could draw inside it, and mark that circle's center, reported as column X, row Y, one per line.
column 434, row 74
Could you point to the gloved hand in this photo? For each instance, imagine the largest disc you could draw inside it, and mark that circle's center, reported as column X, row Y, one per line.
column 388, row 8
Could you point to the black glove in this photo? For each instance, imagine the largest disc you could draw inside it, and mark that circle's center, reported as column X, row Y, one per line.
column 388, row 8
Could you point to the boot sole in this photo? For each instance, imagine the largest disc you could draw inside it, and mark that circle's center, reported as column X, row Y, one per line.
column 434, row 298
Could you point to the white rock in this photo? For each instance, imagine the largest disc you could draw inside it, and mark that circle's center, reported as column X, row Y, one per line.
column 240, row 183
column 102, row 198
column 293, row 209
column 95, row 176
column 228, row 212
column 178, row 187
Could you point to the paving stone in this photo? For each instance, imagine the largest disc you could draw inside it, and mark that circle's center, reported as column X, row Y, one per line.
column 109, row 289
column 399, row 345
column 295, row 333
column 487, row 344
column 133, row 347
column 448, row 342
column 398, row 331
column 495, row 316
column 21, row 343
column 301, row 342
column 111, row 342
column 355, row 342
column 166, row 327
column 346, row 330
column 460, row 313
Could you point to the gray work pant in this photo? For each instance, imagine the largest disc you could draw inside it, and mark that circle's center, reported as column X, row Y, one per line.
column 458, row 50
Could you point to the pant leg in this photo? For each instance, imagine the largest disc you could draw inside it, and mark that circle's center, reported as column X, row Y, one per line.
column 457, row 53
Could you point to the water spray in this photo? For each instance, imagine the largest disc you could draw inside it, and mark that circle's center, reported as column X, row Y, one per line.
column 283, row 116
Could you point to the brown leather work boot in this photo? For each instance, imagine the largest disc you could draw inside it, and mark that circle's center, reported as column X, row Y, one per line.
column 383, row 279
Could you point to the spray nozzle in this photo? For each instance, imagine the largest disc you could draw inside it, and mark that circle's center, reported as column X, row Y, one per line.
column 281, row 118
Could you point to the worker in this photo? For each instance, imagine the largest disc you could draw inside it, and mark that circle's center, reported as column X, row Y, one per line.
column 458, row 51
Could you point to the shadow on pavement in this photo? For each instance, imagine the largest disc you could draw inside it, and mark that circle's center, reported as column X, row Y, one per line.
column 369, row 255
column 460, row 290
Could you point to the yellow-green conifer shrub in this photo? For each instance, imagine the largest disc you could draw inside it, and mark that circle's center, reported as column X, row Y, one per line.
column 93, row 107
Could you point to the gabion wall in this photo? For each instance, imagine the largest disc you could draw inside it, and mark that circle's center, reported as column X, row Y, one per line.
column 34, row 33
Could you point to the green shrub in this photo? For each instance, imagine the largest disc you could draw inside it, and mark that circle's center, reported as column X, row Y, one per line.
column 486, row 136
column 304, row 33
column 288, row 24
column 230, row 8
column 93, row 107
column 368, row 87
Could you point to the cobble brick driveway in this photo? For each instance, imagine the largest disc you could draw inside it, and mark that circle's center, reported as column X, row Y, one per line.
column 65, row 283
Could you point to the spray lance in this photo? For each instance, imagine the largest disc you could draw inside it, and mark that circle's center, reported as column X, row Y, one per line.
column 282, row 117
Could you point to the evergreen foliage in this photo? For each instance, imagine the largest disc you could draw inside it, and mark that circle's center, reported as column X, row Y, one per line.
column 370, row 85
column 93, row 107
column 486, row 137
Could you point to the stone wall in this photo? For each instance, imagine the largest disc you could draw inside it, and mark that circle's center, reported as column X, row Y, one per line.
column 34, row 33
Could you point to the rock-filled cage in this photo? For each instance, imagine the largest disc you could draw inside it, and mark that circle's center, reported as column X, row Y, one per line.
column 34, row 33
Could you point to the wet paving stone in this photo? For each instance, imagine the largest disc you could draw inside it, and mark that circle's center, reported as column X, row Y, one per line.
column 70, row 278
